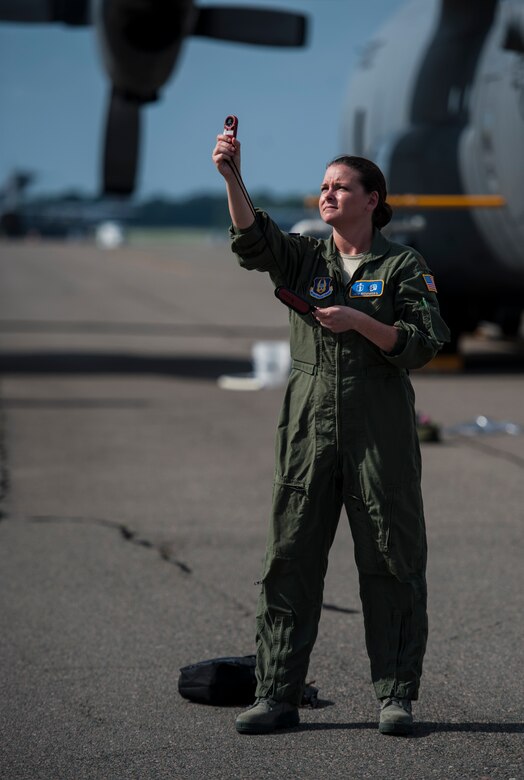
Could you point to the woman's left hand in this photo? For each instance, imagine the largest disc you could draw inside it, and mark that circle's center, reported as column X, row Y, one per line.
column 336, row 318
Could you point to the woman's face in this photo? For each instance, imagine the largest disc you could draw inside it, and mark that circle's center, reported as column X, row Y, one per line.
column 343, row 200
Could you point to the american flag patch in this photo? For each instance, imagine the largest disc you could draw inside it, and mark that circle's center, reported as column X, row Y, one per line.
column 430, row 282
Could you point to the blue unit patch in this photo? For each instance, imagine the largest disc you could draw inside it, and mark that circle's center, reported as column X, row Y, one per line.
column 322, row 287
column 367, row 288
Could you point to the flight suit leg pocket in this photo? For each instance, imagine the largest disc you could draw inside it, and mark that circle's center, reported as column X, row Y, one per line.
column 296, row 432
column 298, row 545
column 290, row 503
column 402, row 536
column 364, row 531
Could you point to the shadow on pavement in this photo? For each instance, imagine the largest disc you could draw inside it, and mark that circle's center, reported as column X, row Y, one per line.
column 423, row 728
column 189, row 367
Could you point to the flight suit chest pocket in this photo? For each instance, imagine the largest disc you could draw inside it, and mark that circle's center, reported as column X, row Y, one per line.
column 367, row 295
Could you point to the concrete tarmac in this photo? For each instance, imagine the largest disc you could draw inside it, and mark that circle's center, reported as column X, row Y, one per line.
column 135, row 498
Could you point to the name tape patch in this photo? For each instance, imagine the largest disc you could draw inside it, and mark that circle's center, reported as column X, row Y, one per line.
column 367, row 288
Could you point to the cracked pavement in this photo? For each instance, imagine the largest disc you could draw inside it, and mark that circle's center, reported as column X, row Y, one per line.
column 134, row 496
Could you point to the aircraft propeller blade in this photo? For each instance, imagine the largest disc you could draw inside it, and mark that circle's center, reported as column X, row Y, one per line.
column 121, row 145
column 514, row 37
column 74, row 12
column 251, row 25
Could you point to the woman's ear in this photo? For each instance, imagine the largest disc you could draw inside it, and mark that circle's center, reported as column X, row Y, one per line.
column 373, row 200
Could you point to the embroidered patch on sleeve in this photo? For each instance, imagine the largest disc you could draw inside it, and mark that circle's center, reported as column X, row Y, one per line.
column 430, row 282
column 322, row 287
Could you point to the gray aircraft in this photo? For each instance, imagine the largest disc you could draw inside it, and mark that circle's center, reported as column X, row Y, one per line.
column 140, row 42
column 438, row 101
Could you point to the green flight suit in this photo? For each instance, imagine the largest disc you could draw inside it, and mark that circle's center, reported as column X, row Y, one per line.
column 346, row 435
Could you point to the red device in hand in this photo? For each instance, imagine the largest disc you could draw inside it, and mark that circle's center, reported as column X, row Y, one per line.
column 231, row 126
column 293, row 301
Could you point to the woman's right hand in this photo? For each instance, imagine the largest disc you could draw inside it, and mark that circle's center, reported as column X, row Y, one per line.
column 226, row 151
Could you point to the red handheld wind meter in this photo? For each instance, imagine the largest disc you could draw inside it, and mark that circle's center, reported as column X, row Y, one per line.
column 293, row 301
column 231, row 126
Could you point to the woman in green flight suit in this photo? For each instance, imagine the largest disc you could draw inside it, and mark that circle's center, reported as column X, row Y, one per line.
column 346, row 436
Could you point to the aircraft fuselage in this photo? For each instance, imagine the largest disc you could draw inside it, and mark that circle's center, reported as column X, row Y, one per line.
column 438, row 102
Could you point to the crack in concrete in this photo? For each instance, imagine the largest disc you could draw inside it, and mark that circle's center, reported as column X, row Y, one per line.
column 163, row 550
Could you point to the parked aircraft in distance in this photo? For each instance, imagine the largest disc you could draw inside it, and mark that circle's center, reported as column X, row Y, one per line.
column 437, row 100
column 67, row 216
column 140, row 42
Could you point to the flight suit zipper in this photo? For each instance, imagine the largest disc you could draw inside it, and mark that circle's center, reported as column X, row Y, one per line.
column 338, row 394
column 339, row 284
column 345, row 288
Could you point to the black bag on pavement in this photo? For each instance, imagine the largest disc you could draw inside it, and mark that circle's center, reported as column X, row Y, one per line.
column 226, row 681
column 219, row 681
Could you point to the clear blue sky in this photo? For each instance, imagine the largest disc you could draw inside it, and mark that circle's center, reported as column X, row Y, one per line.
column 289, row 103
